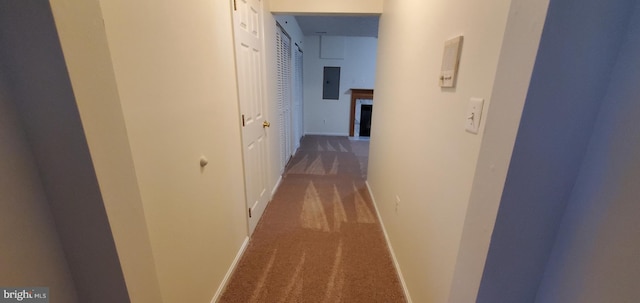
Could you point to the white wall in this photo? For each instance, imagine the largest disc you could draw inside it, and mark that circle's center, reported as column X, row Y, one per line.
column 39, row 82
column 32, row 254
column 357, row 70
column 517, row 58
column 84, row 43
column 327, row 6
column 570, row 78
column 419, row 148
column 176, row 79
column 595, row 256
column 175, row 99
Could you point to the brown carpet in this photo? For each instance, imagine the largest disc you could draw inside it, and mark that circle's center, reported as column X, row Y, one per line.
column 319, row 239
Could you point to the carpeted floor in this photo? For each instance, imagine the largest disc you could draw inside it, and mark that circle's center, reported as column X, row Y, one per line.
column 319, row 239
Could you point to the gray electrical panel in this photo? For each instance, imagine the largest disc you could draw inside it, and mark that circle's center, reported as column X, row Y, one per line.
column 331, row 83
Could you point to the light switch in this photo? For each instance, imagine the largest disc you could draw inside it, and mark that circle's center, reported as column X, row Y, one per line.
column 474, row 113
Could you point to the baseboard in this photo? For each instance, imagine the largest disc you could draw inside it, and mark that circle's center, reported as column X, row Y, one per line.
column 327, row 134
column 232, row 268
column 275, row 188
column 386, row 237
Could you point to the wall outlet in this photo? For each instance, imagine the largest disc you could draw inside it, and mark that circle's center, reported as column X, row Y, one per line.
column 397, row 203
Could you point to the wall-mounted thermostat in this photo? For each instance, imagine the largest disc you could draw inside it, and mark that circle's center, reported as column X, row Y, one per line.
column 450, row 61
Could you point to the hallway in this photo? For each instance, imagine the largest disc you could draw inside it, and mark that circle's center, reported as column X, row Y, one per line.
column 319, row 239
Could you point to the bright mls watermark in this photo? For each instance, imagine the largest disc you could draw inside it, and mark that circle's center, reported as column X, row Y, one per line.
column 24, row 294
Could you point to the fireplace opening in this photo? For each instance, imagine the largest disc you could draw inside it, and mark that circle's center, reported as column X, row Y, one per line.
column 365, row 120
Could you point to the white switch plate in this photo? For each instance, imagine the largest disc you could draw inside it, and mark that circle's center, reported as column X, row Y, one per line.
column 474, row 114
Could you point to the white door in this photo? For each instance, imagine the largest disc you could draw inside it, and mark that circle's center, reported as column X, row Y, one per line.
column 248, row 30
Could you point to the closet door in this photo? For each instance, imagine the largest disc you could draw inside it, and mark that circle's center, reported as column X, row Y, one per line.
column 283, row 61
column 298, row 96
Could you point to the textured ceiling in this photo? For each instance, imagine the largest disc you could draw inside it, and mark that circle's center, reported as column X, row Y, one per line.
column 338, row 26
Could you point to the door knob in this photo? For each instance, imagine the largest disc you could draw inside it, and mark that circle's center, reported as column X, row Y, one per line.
column 266, row 124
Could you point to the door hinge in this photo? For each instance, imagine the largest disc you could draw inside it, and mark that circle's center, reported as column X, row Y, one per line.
column 235, row 7
column 242, row 120
column 249, row 212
